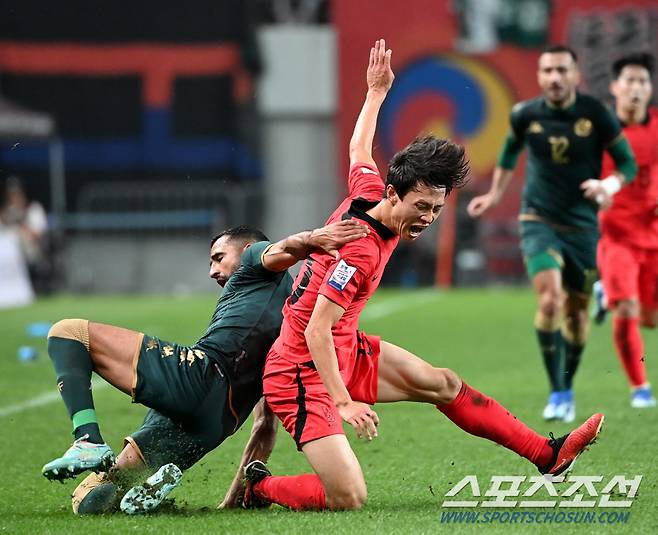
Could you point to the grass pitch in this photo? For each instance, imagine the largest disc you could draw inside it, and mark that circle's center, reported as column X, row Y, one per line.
column 486, row 336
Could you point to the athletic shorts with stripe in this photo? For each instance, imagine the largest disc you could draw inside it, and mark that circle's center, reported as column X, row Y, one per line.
column 295, row 392
column 187, row 394
column 573, row 253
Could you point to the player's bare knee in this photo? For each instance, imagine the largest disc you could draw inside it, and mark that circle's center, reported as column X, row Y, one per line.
column 550, row 306
column 548, row 316
column 349, row 492
column 351, row 499
column 448, row 385
column 627, row 308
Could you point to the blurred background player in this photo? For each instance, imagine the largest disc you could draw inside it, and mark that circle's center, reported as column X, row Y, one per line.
column 28, row 218
column 566, row 133
column 322, row 371
column 188, row 387
column 628, row 249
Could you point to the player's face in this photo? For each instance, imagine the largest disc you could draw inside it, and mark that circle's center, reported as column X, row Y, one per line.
column 633, row 88
column 225, row 258
column 558, row 77
column 418, row 209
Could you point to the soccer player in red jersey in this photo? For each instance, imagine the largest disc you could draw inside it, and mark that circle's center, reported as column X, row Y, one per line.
column 628, row 249
column 322, row 370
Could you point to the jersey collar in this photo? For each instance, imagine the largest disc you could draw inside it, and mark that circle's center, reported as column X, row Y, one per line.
column 358, row 210
column 569, row 107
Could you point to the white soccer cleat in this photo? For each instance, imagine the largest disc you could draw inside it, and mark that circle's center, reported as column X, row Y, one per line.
column 642, row 398
column 566, row 410
column 552, row 410
column 569, row 412
column 148, row 496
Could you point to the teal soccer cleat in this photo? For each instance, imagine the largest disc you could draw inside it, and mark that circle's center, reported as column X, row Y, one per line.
column 80, row 457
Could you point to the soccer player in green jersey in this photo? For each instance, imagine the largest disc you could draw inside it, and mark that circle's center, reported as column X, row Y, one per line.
column 199, row 394
column 566, row 133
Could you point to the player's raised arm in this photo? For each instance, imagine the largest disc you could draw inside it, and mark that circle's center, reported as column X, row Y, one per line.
column 287, row 252
column 504, row 171
column 480, row 204
column 379, row 77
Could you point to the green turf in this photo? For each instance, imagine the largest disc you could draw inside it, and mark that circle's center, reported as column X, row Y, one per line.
column 486, row 336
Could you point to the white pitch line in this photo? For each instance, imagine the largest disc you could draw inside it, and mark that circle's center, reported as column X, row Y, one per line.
column 44, row 399
column 375, row 311
column 389, row 306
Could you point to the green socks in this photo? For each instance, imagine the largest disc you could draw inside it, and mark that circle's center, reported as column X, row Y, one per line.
column 572, row 354
column 73, row 367
column 551, row 345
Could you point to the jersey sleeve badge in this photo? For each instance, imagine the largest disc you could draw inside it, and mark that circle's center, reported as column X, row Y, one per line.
column 341, row 275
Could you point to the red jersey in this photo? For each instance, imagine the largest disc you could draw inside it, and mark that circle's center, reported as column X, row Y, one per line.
column 348, row 282
column 633, row 216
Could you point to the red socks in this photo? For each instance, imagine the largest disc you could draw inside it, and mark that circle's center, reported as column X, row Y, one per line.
column 299, row 493
column 630, row 349
column 484, row 417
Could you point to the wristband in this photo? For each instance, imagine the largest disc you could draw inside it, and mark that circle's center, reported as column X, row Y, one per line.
column 611, row 185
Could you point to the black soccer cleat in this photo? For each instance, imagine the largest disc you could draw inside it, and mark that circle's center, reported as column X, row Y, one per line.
column 254, row 473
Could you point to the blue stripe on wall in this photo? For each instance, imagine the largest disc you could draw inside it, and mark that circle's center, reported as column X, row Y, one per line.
column 155, row 149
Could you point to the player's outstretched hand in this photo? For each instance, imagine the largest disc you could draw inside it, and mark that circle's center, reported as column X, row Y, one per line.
column 594, row 190
column 361, row 417
column 234, row 496
column 333, row 236
column 380, row 75
column 480, row 204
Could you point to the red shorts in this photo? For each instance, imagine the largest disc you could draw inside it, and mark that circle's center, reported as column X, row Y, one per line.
column 628, row 272
column 296, row 394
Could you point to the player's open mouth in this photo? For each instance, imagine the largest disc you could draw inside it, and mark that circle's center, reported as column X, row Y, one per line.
column 415, row 230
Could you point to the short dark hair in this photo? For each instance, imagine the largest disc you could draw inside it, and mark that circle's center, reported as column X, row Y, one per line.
column 641, row 59
column 556, row 49
column 242, row 232
column 433, row 161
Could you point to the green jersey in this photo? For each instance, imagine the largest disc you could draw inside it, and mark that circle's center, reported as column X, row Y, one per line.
column 565, row 148
column 246, row 321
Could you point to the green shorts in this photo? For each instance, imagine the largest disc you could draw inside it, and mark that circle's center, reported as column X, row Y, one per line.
column 573, row 253
column 188, row 397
